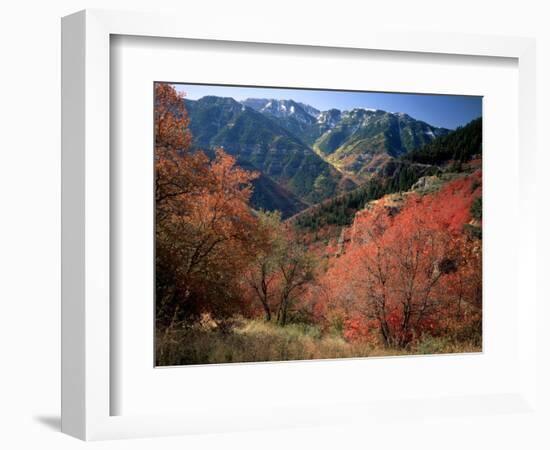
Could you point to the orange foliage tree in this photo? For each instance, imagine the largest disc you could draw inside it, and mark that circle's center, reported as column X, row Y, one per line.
column 205, row 230
column 260, row 279
column 282, row 270
column 411, row 270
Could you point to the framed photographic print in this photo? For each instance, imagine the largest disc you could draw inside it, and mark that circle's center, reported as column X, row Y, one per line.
column 262, row 231
column 295, row 224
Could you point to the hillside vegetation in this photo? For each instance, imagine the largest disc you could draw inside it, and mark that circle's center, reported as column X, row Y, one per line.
column 447, row 154
column 261, row 143
column 461, row 146
column 393, row 267
column 311, row 155
column 253, row 340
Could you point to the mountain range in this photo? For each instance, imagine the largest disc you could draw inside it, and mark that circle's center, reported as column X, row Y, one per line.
column 304, row 155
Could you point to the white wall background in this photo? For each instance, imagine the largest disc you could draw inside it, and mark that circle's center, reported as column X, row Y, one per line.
column 30, row 199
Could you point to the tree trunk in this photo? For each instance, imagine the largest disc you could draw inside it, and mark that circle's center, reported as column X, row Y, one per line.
column 265, row 295
column 281, row 310
column 283, row 316
column 267, row 312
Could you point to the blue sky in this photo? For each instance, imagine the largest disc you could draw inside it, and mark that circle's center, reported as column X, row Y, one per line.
column 449, row 111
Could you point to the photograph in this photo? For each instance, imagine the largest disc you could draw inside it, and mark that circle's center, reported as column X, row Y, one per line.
column 312, row 224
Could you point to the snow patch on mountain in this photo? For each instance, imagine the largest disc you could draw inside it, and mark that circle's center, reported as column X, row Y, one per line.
column 430, row 133
column 329, row 118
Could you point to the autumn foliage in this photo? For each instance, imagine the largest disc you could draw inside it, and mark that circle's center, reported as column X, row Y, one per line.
column 410, row 271
column 205, row 230
column 409, row 266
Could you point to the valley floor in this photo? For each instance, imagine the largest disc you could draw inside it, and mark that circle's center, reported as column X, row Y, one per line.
column 256, row 341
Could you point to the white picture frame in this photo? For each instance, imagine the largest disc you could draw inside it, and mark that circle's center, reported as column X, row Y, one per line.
column 87, row 386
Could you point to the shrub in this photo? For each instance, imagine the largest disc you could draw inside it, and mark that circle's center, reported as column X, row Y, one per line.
column 430, row 345
column 476, row 208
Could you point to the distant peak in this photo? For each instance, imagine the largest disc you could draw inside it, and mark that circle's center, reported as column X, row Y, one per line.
column 283, row 108
column 363, row 110
column 216, row 99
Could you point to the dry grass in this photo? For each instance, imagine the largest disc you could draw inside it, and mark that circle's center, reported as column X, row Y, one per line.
column 254, row 341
